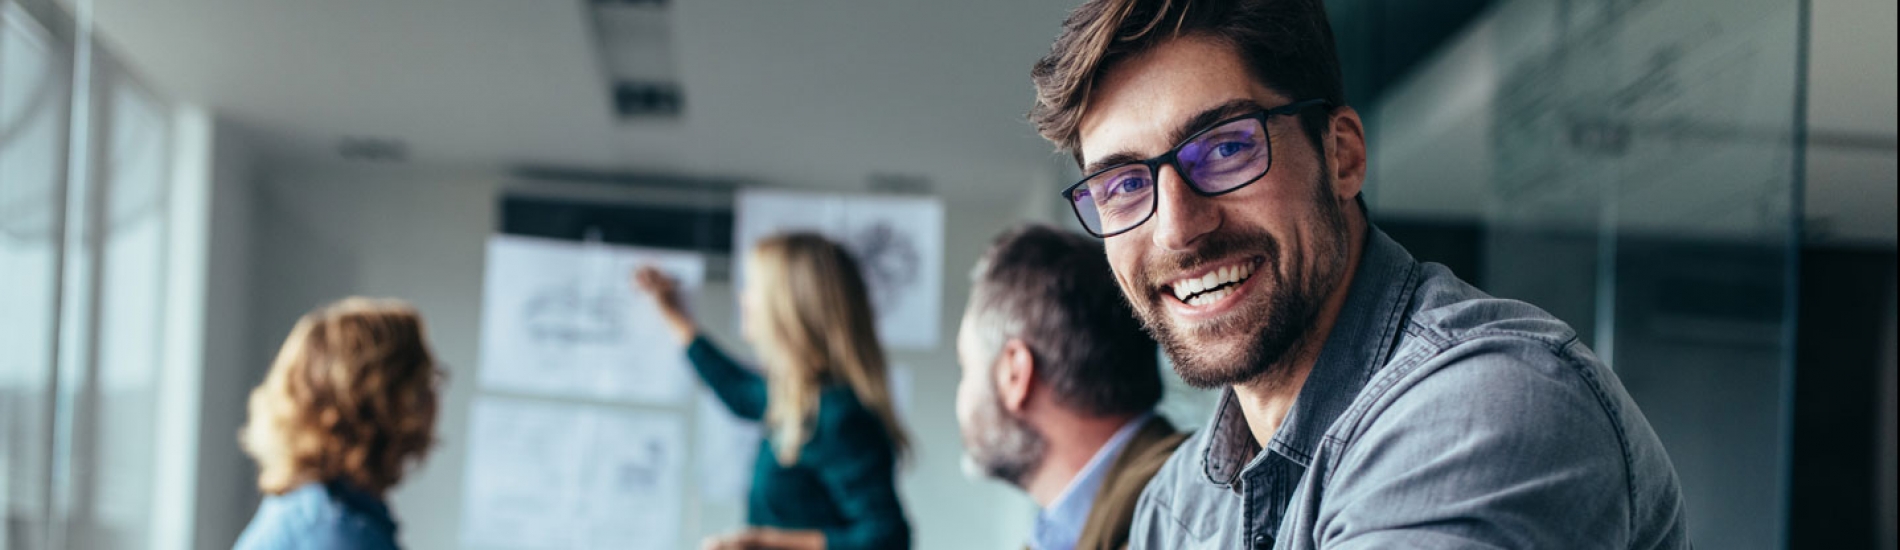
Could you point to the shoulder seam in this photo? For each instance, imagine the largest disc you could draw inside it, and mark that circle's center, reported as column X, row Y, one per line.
column 1439, row 342
column 1616, row 425
column 1164, row 509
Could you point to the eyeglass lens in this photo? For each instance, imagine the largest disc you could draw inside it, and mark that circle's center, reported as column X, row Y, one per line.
column 1218, row 160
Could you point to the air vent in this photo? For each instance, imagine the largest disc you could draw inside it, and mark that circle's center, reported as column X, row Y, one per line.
column 900, row 183
column 635, row 42
column 703, row 229
column 647, row 99
column 372, row 149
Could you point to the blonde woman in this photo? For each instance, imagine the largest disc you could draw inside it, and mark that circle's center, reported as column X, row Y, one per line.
column 348, row 406
column 824, row 477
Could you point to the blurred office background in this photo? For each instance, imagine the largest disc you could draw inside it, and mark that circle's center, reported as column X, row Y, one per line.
column 1705, row 189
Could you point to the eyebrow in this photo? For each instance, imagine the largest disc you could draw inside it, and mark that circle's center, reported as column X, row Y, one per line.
column 1200, row 121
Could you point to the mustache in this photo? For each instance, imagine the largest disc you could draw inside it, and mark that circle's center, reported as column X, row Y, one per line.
column 1213, row 247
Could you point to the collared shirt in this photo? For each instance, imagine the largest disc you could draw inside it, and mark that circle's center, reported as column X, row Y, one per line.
column 320, row 516
column 1436, row 416
column 1059, row 526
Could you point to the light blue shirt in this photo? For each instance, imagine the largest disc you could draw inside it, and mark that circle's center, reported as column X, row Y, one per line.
column 320, row 516
column 1060, row 525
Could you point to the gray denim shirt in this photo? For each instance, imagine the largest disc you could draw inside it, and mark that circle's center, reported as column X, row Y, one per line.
column 1436, row 417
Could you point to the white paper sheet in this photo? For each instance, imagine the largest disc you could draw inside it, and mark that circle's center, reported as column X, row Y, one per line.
column 727, row 447
column 902, row 380
column 550, row 475
column 899, row 241
column 559, row 318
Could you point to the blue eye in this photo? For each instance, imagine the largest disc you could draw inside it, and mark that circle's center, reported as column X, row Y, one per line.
column 1231, row 148
column 1130, row 184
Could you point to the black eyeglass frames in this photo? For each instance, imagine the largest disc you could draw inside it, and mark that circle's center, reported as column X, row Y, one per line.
column 1226, row 156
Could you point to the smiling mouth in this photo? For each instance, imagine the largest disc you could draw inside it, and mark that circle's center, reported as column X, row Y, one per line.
column 1214, row 285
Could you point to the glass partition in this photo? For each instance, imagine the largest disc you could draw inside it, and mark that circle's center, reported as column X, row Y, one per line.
column 1634, row 168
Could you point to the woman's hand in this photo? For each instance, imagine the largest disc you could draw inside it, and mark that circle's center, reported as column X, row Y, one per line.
column 666, row 296
column 761, row 538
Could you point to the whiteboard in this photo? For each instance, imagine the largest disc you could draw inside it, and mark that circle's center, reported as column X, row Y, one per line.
column 559, row 318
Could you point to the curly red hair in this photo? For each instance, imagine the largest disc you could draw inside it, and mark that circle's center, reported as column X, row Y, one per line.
column 351, row 397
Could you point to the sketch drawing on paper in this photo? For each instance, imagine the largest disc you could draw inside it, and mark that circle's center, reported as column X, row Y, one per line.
column 891, row 262
column 548, row 475
column 897, row 240
column 559, row 319
column 561, row 316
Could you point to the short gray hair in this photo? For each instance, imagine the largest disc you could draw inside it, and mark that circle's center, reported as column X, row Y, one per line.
column 1054, row 290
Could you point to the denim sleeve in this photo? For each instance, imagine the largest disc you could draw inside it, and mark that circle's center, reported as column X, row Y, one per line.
column 1498, row 442
column 742, row 390
column 1154, row 526
column 856, row 463
column 1145, row 529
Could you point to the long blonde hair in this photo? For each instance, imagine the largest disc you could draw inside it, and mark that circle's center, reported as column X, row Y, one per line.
column 351, row 397
column 814, row 326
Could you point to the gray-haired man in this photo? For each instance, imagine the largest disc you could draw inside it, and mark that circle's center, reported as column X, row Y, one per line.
column 1059, row 387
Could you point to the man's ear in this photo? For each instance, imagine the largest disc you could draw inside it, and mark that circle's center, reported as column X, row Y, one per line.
column 1346, row 150
column 1015, row 374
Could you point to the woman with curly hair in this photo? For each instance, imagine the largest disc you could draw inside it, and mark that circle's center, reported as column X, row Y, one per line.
column 349, row 406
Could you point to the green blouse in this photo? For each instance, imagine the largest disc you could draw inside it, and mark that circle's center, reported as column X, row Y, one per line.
column 844, row 482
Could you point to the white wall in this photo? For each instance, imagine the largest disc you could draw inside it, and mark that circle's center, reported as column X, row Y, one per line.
column 419, row 234
column 204, row 487
column 227, row 486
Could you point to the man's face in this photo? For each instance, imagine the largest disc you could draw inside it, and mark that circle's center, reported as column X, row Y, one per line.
column 996, row 444
column 1227, row 284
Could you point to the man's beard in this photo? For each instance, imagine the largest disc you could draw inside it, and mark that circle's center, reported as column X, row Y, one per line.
column 1268, row 330
column 1005, row 447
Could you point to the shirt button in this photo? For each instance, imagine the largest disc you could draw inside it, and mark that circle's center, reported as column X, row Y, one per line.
column 1261, row 541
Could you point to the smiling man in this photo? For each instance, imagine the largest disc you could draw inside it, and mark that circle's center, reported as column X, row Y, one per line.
column 1370, row 400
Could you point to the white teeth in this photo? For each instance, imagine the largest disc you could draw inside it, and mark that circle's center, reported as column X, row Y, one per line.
column 1197, row 285
column 1210, row 297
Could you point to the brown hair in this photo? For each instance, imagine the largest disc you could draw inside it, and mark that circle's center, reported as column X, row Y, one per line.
column 351, row 397
column 1287, row 45
column 816, row 327
column 1056, row 292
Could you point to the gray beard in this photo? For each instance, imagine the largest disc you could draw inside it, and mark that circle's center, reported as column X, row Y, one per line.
column 1007, row 448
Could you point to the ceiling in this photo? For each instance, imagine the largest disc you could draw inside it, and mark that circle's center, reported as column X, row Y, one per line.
column 817, row 93
column 810, row 93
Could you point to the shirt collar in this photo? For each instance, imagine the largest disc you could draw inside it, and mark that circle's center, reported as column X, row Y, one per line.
column 370, row 506
column 1059, row 526
column 1361, row 341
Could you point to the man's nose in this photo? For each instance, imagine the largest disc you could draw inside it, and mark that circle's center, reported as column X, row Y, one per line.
column 1181, row 215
